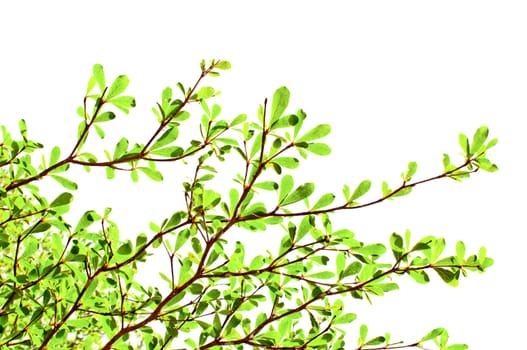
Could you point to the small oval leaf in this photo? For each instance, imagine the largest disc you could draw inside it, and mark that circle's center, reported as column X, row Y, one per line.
column 300, row 193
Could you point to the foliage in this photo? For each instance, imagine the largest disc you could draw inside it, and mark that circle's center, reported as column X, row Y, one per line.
column 71, row 285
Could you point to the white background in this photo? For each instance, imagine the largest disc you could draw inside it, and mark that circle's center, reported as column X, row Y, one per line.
column 397, row 80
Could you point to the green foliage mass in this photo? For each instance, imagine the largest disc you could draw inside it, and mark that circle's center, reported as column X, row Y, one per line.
column 70, row 285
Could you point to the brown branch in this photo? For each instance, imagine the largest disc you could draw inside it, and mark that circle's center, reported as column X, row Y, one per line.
column 347, row 205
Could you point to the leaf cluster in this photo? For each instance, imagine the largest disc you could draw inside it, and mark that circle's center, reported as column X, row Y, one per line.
column 73, row 285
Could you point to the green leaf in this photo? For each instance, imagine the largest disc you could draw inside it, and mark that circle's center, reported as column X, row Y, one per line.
column 412, row 168
column 255, row 209
column 457, row 347
column 140, row 241
column 376, row 249
column 23, row 128
column 55, row 156
column 407, row 238
column 480, row 136
column 134, row 175
column 459, row 175
column 285, row 325
column 68, row 184
column 239, row 119
column 257, row 145
column 110, row 173
column 118, row 86
column 397, row 245
column 99, row 131
column 91, row 84
column 275, row 146
column 447, row 166
column 375, row 341
column 267, row 185
column 402, row 192
column 166, row 97
column 386, row 190
column 86, row 220
column 234, row 197
column 170, row 135
column 463, row 142
column 363, row 333
column 120, row 148
column 361, row 190
column 323, row 275
column 316, row 133
column 64, row 198
column 387, row 287
column 491, row 144
column 216, row 110
column 210, row 199
column 125, row 248
column 421, row 246
column 286, row 185
column 98, row 73
column 152, row 174
column 182, row 237
column 41, row 227
column 300, row 193
column 460, row 251
column 124, row 103
column 205, row 92
column 174, row 220
column 82, row 133
column 185, row 272
column 237, row 258
column 419, row 276
column 446, row 275
column 352, row 269
column 305, row 226
column 285, row 122
column 482, row 253
column 287, row 162
column 31, row 244
column 224, row 65
column 346, row 191
column 257, row 263
column 104, row 117
column 228, row 141
column 345, row 319
column 340, row 262
column 433, row 334
column 438, row 246
column 320, row 149
column 86, row 156
column 279, row 104
column 324, row 201
column 169, row 152
column 485, row 164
